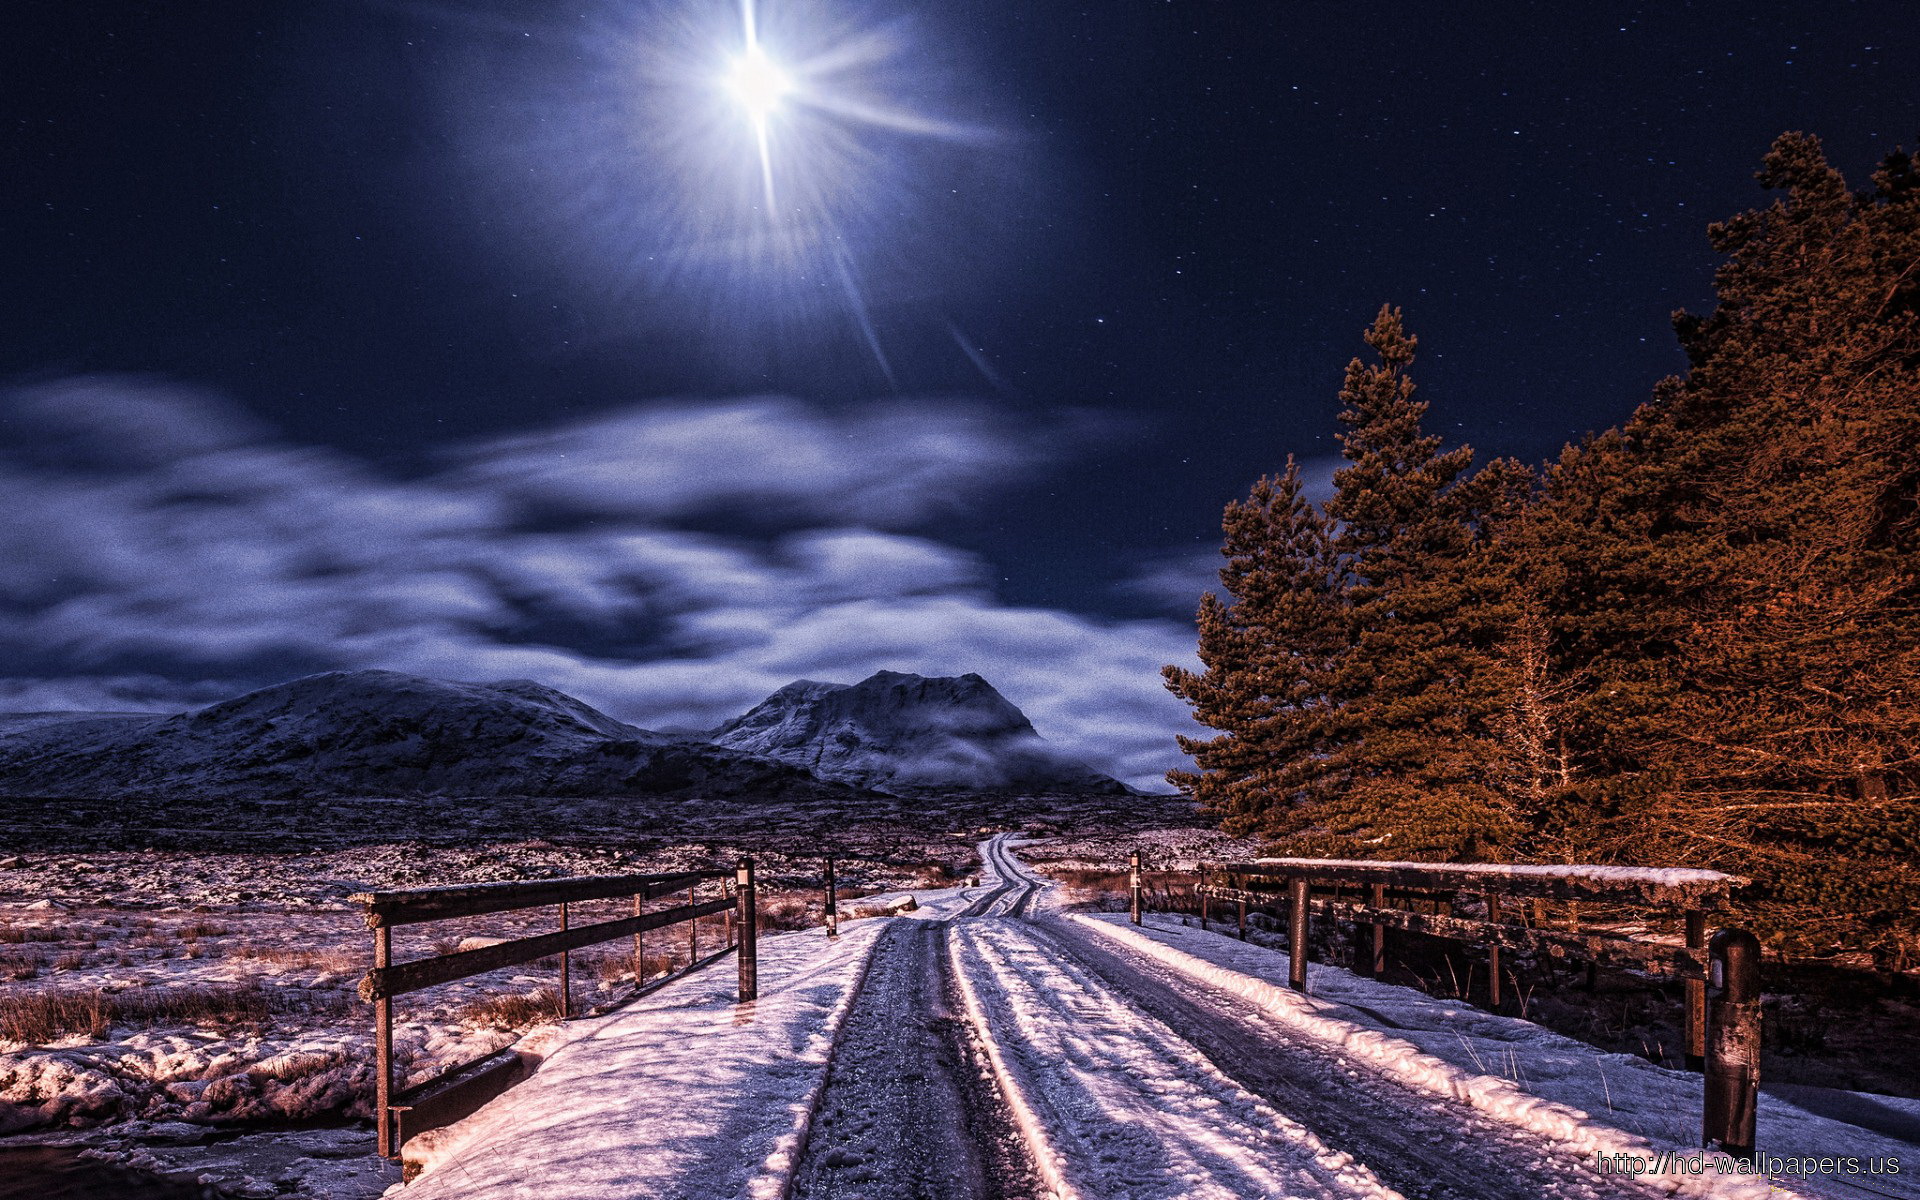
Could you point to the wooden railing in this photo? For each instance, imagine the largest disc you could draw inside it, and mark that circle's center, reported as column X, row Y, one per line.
column 458, row 1091
column 1723, row 1039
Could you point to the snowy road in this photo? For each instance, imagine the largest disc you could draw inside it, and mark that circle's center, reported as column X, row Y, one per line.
column 1136, row 1081
column 1423, row 1148
column 909, row 1111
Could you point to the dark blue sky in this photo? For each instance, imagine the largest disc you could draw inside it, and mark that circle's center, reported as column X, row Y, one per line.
column 385, row 228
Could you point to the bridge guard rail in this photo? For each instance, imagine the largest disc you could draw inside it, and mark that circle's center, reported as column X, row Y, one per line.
column 458, row 1091
column 1723, row 1042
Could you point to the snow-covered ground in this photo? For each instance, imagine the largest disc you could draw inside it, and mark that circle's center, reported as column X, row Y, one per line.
column 684, row 1094
column 1094, row 1032
column 1517, row 1072
column 1116, row 1106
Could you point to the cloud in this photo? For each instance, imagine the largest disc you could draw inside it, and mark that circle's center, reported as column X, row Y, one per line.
column 888, row 465
column 168, row 550
column 1173, row 582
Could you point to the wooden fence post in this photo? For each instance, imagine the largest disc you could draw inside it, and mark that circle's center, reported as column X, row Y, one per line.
column 566, row 973
column 1493, row 956
column 383, row 1046
column 1133, row 884
column 1297, row 933
column 1696, row 993
column 833, row 908
column 749, row 940
column 1377, row 898
column 1202, row 889
column 1733, row 1044
column 693, row 932
column 639, row 941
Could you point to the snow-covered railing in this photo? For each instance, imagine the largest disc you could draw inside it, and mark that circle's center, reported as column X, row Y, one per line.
column 1421, row 898
column 452, row 1094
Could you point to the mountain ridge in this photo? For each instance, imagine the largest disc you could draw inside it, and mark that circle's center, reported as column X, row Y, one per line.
column 376, row 732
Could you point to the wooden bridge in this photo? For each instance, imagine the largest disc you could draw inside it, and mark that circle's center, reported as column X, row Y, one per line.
column 566, row 1132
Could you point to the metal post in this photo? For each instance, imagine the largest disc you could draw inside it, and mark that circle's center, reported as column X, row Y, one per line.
column 383, row 1047
column 1493, row 956
column 749, row 957
column 1133, row 884
column 1377, row 898
column 1243, row 920
column 1696, row 993
column 833, row 906
column 1297, row 934
column 566, row 976
column 1733, row 1043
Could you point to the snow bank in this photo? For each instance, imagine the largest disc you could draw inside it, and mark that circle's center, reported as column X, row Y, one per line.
column 684, row 1094
column 181, row 1076
column 1553, row 1086
column 1114, row 1105
column 1677, row 877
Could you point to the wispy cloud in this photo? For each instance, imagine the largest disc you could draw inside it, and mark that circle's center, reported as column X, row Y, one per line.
column 166, row 549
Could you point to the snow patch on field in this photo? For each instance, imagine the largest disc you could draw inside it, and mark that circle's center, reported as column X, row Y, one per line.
column 1114, row 1104
column 1509, row 1069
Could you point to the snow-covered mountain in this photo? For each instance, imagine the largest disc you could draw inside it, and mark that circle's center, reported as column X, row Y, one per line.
column 376, row 733
column 899, row 732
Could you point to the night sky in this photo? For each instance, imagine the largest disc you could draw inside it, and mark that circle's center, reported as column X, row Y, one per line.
column 458, row 336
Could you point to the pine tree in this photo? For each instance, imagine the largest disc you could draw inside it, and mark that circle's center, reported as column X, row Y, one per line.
column 1798, row 749
column 1418, row 693
column 1268, row 655
column 1735, row 571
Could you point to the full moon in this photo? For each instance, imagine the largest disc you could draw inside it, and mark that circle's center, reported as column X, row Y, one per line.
column 758, row 83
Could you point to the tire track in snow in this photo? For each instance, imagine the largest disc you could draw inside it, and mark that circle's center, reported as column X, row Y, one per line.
column 909, row 1111
column 1423, row 1145
column 1116, row 1105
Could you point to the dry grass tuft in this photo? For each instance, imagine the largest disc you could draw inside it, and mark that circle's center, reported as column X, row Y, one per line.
column 14, row 935
column 336, row 961
column 48, row 1016
column 515, row 1010
column 20, row 964
column 783, row 913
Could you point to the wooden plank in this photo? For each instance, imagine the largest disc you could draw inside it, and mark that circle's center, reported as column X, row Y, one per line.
column 441, row 1101
column 401, row 978
column 383, row 1049
column 1610, row 949
column 1683, row 888
column 410, row 906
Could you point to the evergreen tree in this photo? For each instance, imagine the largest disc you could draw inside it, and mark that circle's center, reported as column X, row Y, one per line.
column 1417, row 694
column 1268, row 655
column 1697, row 644
column 1353, row 676
column 1736, row 571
